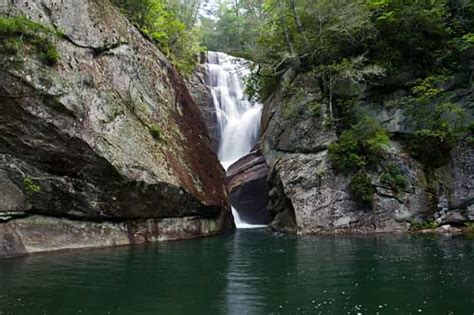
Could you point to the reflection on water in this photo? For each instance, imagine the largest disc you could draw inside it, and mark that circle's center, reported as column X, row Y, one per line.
column 250, row 272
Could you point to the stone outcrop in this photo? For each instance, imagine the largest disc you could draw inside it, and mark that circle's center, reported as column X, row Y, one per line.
column 108, row 141
column 248, row 188
column 308, row 196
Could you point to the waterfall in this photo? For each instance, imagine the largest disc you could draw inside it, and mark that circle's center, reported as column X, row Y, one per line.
column 238, row 118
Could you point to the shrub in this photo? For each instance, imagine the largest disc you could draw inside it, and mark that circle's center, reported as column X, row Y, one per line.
column 358, row 150
column 361, row 188
column 52, row 55
column 362, row 146
column 30, row 186
column 394, row 177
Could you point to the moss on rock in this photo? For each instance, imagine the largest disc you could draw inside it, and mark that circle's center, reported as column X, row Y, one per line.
column 20, row 35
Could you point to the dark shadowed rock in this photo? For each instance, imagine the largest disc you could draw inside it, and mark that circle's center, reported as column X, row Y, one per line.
column 248, row 188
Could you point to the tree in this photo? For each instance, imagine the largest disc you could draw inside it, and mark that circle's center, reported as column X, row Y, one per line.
column 170, row 23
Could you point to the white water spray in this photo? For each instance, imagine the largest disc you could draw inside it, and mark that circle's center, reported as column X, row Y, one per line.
column 238, row 118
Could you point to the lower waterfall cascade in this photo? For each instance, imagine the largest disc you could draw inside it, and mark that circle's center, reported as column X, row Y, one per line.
column 238, row 118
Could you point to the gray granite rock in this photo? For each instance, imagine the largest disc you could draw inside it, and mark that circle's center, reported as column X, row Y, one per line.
column 108, row 134
column 307, row 196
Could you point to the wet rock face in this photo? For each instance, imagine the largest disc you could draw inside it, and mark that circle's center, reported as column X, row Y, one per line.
column 248, row 188
column 199, row 87
column 307, row 196
column 110, row 133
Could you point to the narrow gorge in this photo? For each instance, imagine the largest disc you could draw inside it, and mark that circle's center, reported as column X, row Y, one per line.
column 236, row 157
column 238, row 127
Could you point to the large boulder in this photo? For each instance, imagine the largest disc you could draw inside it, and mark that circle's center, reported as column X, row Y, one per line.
column 109, row 134
column 248, row 188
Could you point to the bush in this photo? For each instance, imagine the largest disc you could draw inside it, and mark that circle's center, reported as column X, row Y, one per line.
column 360, row 147
column 19, row 36
column 359, row 150
column 394, row 177
column 361, row 188
column 30, row 186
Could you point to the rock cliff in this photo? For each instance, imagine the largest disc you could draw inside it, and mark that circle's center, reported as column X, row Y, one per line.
column 308, row 196
column 105, row 146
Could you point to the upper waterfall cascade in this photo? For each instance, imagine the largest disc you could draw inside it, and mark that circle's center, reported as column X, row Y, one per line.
column 238, row 118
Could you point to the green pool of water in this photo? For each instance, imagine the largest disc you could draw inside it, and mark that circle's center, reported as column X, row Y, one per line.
column 251, row 272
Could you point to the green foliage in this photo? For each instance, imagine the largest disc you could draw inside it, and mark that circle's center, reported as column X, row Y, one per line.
column 52, row 55
column 156, row 132
column 315, row 109
column 259, row 87
column 170, row 24
column 361, row 188
column 437, row 124
column 394, row 177
column 236, row 28
column 373, row 43
column 30, row 186
column 424, row 225
column 20, row 36
column 360, row 147
column 358, row 150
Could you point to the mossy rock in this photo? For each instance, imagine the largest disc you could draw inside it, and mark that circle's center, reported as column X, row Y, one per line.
column 21, row 36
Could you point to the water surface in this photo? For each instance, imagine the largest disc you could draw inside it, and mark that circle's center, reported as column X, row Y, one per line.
column 251, row 272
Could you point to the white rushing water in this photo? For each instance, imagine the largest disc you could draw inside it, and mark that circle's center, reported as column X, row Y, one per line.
column 237, row 117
